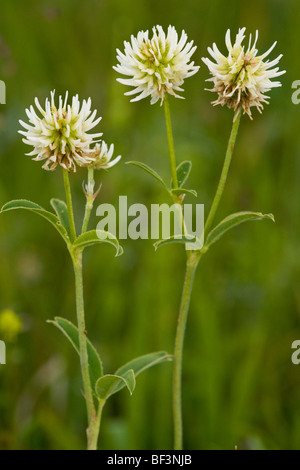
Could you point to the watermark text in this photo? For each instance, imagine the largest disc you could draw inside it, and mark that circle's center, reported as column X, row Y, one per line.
column 160, row 221
column 2, row 92
column 2, row 353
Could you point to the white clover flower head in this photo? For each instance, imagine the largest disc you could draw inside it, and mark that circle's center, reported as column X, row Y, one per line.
column 242, row 77
column 102, row 156
column 60, row 136
column 156, row 66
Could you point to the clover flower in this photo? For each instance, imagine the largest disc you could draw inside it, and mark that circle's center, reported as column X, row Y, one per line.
column 102, row 156
column 60, row 135
column 156, row 66
column 242, row 78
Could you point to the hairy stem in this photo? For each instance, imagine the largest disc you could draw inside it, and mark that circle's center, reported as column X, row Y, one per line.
column 76, row 255
column 84, row 361
column 224, row 174
column 170, row 142
column 191, row 267
column 94, row 428
column 69, row 205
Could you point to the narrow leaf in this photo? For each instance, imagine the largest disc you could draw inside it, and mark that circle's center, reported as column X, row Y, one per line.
column 61, row 210
column 21, row 204
column 232, row 221
column 94, row 237
column 180, row 191
column 149, row 170
column 183, row 171
column 139, row 364
column 37, row 209
column 71, row 332
column 110, row 384
column 180, row 239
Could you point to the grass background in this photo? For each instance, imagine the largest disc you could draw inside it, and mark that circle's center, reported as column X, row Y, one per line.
column 240, row 386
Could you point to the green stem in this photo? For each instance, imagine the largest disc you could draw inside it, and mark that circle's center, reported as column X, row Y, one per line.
column 76, row 256
column 94, row 429
column 191, row 266
column 89, row 199
column 224, row 174
column 84, row 361
column 69, row 205
column 170, row 142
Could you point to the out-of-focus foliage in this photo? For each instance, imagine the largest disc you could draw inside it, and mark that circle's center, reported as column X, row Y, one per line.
column 240, row 386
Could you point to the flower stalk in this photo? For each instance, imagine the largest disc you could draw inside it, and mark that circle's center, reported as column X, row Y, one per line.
column 192, row 260
column 191, row 266
column 77, row 264
column 76, row 256
column 94, row 428
column 170, row 142
column 69, row 205
column 224, row 173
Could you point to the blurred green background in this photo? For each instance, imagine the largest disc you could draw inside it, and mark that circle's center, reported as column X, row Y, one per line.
column 240, row 386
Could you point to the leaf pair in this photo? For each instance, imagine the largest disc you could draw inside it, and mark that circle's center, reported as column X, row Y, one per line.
column 214, row 235
column 105, row 386
column 183, row 171
column 61, row 222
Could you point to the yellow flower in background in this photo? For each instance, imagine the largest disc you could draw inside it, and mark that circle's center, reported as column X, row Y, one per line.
column 10, row 325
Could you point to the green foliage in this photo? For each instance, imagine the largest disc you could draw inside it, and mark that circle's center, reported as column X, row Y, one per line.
column 71, row 332
column 126, row 374
column 177, row 239
column 61, row 210
column 94, row 237
column 142, row 363
column 183, row 171
column 240, row 385
column 107, row 385
column 150, row 171
column 232, row 221
column 33, row 207
column 182, row 191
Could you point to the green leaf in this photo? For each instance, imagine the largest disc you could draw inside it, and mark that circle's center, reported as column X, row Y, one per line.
column 37, row 209
column 180, row 239
column 180, row 191
column 94, row 237
column 232, row 221
column 141, row 363
column 21, row 204
column 61, row 210
column 71, row 332
column 110, row 384
column 183, row 171
column 150, row 171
